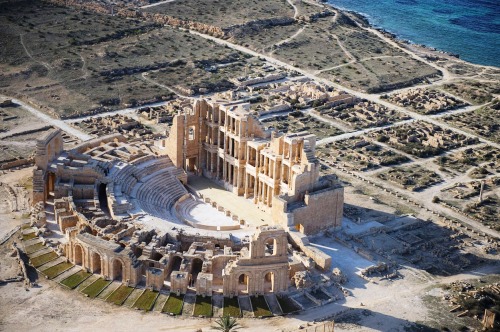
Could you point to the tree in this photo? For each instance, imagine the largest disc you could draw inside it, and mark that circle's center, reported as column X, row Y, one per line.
column 226, row 324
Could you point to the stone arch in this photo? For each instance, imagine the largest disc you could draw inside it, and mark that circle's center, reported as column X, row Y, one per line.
column 243, row 285
column 78, row 254
column 271, row 246
column 269, row 281
column 96, row 263
column 51, row 183
column 117, row 272
column 196, row 267
column 174, row 266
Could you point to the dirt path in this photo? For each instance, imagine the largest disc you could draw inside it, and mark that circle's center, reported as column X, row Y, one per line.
column 84, row 68
column 296, row 10
column 424, row 198
column 45, row 64
column 54, row 122
column 336, row 124
column 295, row 35
column 157, row 4
column 342, row 137
column 147, row 79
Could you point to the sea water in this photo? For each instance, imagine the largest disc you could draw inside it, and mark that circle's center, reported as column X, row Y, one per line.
column 469, row 28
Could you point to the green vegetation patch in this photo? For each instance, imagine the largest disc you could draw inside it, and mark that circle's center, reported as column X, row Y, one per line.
column 203, row 306
column 34, row 248
column 96, row 287
column 42, row 259
column 231, row 307
column 120, row 295
column 287, row 304
column 75, row 279
column 260, row 307
column 146, row 300
column 173, row 304
column 29, row 236
column 56, row 270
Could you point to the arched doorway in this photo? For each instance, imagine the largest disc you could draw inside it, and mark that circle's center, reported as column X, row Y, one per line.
column 196, row 267
column 96, row 263
column 103, row 198
column 269, row 282
column 50, row 184
column 243, row 281
column 270, row 247
column 175, row 266
column 117, row 270
column 78, row 255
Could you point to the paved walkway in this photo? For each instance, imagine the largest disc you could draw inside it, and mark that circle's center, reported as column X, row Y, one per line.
column 243, row 208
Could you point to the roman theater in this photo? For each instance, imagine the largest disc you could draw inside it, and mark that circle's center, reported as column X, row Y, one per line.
column 219, row 206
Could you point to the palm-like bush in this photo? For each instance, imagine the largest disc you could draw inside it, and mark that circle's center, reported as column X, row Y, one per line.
column 226, row 324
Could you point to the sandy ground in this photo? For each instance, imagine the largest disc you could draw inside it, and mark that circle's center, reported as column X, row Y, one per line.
column 385, row 305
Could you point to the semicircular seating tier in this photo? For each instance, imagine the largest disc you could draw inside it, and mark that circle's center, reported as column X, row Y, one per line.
column 152, row 184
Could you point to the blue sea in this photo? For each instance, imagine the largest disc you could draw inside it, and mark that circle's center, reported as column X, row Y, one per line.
column 470, row 28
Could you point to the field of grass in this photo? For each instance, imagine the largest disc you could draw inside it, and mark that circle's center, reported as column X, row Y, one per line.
column 231, row 307
column 42, row 259
column 287, row 305
column 203, row 306
column 224, row 13
column 34, row 248
column 96, row 287
column 56, row 270
column 120, row 295
column 146, row 300
column 29, row 236
column 173, row 304
column 260, row 307
column 75, row 279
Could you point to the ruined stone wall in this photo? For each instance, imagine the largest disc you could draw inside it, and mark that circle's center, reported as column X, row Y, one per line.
column 123, row 11
column 265, row 269
column 301, row 241
column 322, row 210
column 175, row 142
column 97, row 255
column 48, row 147
column 90, row 144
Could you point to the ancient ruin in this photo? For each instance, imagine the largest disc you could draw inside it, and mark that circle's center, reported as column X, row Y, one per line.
column 131, row 211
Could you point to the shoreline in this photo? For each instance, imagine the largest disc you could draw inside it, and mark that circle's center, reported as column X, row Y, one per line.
column 365, row 19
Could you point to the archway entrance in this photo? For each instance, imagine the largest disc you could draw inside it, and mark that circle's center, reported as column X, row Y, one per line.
column 191, row 164
column 175, row 266
column 96, row 263
column 103, row 199
column 196, row 266
column 243, row 281
column 269, row 282
column 270, row 247
column 78, row 255
column 117, row 270
column 50, row 184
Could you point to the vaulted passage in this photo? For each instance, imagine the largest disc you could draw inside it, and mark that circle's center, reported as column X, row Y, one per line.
column 103, row 201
